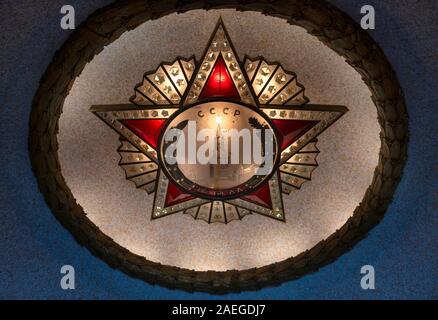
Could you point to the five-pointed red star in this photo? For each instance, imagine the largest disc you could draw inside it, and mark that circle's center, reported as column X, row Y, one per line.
column 219, row 75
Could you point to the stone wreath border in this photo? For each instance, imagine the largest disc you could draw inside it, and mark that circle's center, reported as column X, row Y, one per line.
column 334, row 28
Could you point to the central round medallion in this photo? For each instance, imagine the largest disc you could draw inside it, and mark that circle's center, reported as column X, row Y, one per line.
column 218, row 149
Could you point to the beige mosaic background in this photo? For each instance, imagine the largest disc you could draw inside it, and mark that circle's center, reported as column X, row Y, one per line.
column 89, row 160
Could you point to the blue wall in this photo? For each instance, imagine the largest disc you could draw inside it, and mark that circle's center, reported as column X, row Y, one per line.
column 402, row 248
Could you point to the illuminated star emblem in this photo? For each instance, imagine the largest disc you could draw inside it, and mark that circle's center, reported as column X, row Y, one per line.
column 219, row 91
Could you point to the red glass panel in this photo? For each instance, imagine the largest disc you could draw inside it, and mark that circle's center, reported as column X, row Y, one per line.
column 261, row 196
column 147, row 129
column 291, row 130
column 175, row 195
column 219, row 84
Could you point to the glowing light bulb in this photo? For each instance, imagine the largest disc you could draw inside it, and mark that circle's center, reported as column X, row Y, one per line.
column 218, row 120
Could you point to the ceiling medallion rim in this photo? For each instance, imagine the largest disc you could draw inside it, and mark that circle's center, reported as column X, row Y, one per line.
column 343, row 36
